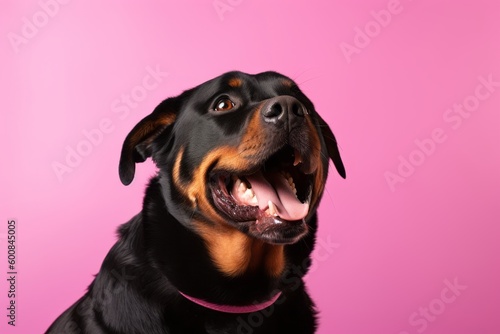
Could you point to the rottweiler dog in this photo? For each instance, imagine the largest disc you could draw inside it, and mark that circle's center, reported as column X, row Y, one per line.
column 228, row 223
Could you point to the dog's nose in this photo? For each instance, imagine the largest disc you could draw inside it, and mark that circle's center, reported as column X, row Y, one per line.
column 283, row 110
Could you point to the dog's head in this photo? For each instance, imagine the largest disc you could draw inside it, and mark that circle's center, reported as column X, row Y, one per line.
column 241, row 152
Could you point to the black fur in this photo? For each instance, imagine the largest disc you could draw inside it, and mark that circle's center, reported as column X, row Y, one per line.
column 160, row 251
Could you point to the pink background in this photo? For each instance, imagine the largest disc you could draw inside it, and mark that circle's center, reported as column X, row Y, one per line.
column 391, row 248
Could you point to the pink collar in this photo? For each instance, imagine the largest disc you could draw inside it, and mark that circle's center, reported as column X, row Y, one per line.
column 233, row 308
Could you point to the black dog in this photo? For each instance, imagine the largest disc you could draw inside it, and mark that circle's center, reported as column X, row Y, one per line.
column 229, row 222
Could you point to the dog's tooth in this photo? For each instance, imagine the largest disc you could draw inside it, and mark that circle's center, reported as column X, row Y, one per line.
column 254, row 200
column 248, row 194
column 288, row 178
column 242, row 187
column 298, row 158
column 272, row 209
column 250, row 197
column 292, row 185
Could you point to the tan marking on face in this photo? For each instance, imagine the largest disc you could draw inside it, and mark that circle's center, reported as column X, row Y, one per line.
column 230, row 158
column 287, row 83
column 316, row 161
column 319, row 185
column 254, row 139
column 224, row 157
column 234, row 253
column 235, row 82
column 176, row 172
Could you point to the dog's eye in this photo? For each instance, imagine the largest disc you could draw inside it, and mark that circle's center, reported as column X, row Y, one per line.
column 224, row 104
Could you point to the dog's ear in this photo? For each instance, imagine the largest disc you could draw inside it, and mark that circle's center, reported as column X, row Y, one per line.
column 138, row 144
column 331, row 146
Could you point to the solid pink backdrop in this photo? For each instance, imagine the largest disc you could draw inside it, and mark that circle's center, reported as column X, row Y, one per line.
column 409, row 241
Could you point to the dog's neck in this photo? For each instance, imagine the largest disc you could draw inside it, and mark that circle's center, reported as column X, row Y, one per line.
column 197, row 275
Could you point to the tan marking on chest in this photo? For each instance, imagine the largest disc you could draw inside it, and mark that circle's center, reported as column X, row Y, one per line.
column 234, row 253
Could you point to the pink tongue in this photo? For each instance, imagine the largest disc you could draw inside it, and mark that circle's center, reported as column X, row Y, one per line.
column 276, row 189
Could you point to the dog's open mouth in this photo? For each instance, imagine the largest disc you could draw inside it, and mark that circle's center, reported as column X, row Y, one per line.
column 270, row 203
